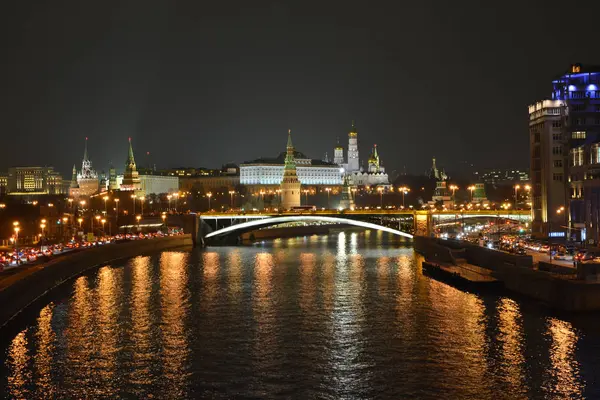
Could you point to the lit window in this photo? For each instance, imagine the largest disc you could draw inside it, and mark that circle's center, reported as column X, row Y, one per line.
column 578, row 135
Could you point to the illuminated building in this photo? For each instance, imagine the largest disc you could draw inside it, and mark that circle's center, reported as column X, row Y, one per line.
column 87, row 178
column 113, row 183
column 547, row 166
column 207, row 180
column 266, row 172
column 353, row 164
column 3, row 183
column 34, row 181
column 510, row 176
column 374, row 175
column 576, row 134
column 290, row 185
column 131, row 178
column 338, row 155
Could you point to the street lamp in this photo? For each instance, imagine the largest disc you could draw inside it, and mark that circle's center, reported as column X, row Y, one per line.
column 117, row 207
column 176, row 195
column 328, row 190
column 82, row 203
column 80, row 220
column 105, row 198
column 404, row 191
column 471, row 189
column 142, row 200
column 138, row 217
column 70, row 200
column 231, row 193
column 17, row 229
column 169, row 198
column 453, row 188
column 305, row 191
column 517, row 187
column 209, row 195
column 380, row 190
column 133, row 197
column 103, row 220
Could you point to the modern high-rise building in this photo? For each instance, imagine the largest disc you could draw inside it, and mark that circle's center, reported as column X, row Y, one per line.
column 290, row 185
column 578, row 89
column 548, row 163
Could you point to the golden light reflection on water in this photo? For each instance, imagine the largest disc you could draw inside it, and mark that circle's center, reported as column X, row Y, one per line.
column 262, row 307
column 235, row 274
column 18, row 360
column 141, row 320
column 174, row 305
column 108, row 296
column 45, row 338
column 456, row 327
column 383, row 269
column 566, row 381
column 211, row 264
column 511, row 340
column 80, row 337
column 308, row 262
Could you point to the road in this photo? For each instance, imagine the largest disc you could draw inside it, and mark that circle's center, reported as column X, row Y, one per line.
column 537, row 257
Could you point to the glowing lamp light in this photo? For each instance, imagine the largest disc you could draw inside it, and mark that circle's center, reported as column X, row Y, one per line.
column 592, row 87
column 572, row 88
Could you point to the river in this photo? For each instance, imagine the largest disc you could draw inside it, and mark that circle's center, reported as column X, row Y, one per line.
column 346, row 315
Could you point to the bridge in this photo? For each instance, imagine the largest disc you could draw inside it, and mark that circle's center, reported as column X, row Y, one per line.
column 215, row 226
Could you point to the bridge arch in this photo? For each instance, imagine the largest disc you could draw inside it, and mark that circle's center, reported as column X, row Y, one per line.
column 257, row 223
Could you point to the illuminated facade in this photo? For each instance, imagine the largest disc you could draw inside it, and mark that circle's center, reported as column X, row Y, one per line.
column 579, row 89
column 269, row 171
column 548, row 163
column 34, row 181
column 87, row 178
column 374, row 175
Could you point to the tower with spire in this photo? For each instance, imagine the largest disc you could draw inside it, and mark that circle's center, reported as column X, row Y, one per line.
column 87, row 182
column 353, row 160
column 112, row 178
column 290, row 185
column 131, row 178
column 338, row 154
column 74, row 184
column 374, row 166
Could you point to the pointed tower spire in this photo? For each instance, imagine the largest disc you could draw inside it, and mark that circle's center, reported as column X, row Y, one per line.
column 289, row 141
column 375, row 151
column 130, row 158
column 85, row 153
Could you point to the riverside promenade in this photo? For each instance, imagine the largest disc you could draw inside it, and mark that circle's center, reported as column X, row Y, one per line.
column 21, row 287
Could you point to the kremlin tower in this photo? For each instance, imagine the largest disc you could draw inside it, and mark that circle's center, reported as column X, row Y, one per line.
column 290, row 185
column 131, row 178
column 87, row 179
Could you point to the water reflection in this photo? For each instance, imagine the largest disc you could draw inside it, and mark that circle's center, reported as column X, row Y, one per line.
column 174, row 297
column 348, row 315
column 43, row 361
column 18, row 361
column 141, row 326
column 566, row 381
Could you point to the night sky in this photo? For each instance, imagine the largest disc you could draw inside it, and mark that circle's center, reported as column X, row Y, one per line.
column 204, row 83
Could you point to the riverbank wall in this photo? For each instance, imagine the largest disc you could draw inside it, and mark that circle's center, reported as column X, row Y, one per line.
column 571, row 292
column 34, row 284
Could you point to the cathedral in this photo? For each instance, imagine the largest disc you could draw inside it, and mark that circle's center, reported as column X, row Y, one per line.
column 374, row 175
column 85, row 182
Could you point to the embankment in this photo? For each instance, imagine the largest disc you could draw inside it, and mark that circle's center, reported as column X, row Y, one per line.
column 518, row 274
column 25, row 288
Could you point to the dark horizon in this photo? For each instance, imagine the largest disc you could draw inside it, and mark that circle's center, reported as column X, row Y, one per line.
column 207, row 84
